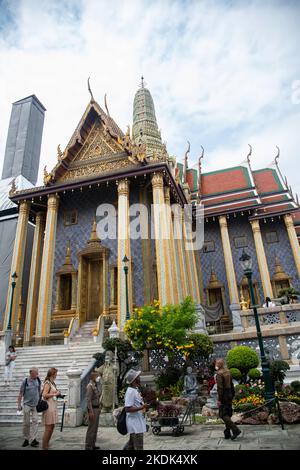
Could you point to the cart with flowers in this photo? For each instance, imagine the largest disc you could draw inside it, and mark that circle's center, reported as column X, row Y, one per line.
column 172, row 416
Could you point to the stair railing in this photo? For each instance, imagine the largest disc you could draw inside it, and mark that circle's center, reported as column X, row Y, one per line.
column 98, row 331
column 71, row 331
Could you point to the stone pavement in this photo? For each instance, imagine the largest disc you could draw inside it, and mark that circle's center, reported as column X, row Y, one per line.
column 196, row 437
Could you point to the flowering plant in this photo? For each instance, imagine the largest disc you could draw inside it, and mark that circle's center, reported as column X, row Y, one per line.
column 169, row 410
column 156, row 327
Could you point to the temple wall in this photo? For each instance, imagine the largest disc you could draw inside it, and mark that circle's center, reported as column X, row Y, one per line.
column 282, row 249
column 214, row 258
column 238, row 227
column 86, row 203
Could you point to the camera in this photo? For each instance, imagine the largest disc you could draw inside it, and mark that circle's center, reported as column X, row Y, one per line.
column 60, row 396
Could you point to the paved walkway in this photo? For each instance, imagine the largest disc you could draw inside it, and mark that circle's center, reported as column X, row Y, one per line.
column 197, row 437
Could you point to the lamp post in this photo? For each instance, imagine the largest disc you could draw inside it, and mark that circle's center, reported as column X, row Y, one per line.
column 126, row 263
column 246, row 263
column 13, row 285
column 114, row 332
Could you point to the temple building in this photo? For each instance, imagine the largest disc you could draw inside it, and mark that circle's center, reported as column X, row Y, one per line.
column 74, row 274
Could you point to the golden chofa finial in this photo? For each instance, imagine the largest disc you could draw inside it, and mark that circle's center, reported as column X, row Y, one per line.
column 90, row 91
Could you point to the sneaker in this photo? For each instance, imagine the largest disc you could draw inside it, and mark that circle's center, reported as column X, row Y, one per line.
column 235, row 434
column 34, row 443
column 96, row 448
column 25, row 443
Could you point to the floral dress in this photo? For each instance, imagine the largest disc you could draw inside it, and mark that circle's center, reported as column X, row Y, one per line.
column 50, row 416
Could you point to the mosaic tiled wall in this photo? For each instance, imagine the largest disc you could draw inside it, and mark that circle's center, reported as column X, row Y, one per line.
column 237, row 227
column 214, row 258
column 78, row 234
column 282, row 249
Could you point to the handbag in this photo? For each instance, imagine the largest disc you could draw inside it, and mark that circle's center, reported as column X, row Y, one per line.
column 42, row 405
column 121, row 422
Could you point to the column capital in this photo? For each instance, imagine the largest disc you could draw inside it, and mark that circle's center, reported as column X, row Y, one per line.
column 222, row 221
column 123, row 187
column 53, row 201
column 255, row 225
column 40, row 217
column 157, row 180
column 288, row 219
column 24, row 207
column 167, row 194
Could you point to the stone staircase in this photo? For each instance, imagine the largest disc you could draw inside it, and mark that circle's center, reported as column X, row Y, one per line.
column 43, row 357
column 85, row 333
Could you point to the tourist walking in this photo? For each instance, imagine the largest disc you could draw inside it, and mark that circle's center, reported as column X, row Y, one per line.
column 30, row 393
column 93, row 406
column 226, row 392
column 10, row 358
column 134, row 406
column 50, row 416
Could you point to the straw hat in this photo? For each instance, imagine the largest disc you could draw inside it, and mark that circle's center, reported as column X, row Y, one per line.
column 132, row 375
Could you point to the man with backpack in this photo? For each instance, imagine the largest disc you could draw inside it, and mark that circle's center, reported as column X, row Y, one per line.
column 30, row 392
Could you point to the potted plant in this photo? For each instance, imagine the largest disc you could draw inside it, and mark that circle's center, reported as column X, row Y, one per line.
column 167, row 415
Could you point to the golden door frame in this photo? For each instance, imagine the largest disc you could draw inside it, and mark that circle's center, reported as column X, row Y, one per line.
column 92, row 290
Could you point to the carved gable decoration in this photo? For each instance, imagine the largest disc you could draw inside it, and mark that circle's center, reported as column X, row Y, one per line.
column 97, row 146
column 99, row 143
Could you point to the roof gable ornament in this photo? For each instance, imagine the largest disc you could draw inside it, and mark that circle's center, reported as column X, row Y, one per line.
column 200, row 171
column 90, row 91
column 186, row 160
column 13, row 187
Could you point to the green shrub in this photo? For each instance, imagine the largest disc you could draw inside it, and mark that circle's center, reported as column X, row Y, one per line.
column 242, row 358
column 203, row 345
column 236, row 373
column 295, row 385
column 277, row 370
column 254, row 374
column 176, row 389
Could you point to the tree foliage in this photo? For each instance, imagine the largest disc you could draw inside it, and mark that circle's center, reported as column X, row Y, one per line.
column 155, row 327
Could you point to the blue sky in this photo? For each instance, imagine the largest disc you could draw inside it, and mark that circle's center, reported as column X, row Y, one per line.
column 222, row 73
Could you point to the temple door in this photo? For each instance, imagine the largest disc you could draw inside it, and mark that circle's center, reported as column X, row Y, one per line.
column 94, row 294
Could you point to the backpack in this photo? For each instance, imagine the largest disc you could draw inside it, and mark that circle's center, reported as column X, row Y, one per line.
column 42, row 404
column 121, row 422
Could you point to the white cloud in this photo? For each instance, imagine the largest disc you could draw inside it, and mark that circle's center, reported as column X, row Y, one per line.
column 220, row 73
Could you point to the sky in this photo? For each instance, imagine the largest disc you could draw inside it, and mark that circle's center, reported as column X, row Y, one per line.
column 223, row 74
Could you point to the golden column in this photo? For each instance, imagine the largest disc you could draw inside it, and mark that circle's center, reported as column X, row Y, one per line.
column 42, row 331
column 17, row 265
column 230, row 273
column 288, row 219
column 180, row 250
column 161, row 240
column 35, row 273
column 190, row 260
column 123, row 249
column 262, row 260
column 172, row 259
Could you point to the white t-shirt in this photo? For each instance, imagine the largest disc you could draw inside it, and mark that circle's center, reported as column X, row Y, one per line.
column 271, row 304
column 135, row 421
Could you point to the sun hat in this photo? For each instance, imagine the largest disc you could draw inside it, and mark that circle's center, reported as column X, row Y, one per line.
column 132, row 375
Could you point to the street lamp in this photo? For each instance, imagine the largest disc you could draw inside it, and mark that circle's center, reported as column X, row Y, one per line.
column 246, row 263
column 126, row 264
column 114, row 332
column 13, row 285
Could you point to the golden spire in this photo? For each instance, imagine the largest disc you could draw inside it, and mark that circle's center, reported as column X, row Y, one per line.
column 94, row 237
